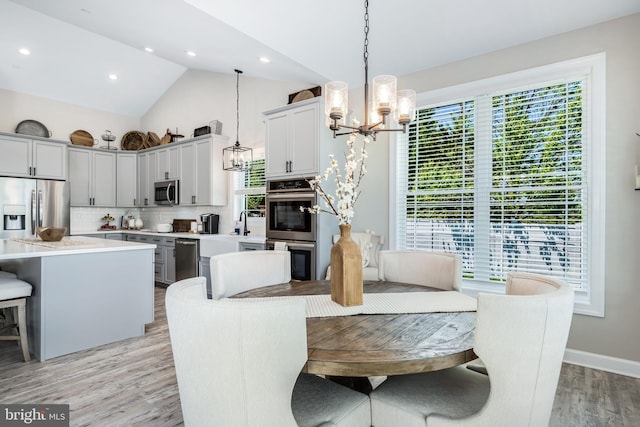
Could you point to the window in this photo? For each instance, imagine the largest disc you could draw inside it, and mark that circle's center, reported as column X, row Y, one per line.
column 250, row 190
column 510, row 178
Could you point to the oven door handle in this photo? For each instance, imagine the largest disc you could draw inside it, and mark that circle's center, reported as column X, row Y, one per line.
column 290, row 196
column 293, row 245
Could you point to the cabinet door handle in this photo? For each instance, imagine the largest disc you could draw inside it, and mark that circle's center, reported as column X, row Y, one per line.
column 193, row 200
column 30, row 171
column 34, row 171
column 145, row 201
column 134, row 202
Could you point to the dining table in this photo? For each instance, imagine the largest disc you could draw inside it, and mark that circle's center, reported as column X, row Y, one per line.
column 367, row 345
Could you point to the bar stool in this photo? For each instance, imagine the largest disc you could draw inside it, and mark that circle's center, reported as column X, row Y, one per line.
column 13, row 293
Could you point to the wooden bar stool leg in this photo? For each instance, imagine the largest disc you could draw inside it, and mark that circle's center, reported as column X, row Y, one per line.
column 22, row 328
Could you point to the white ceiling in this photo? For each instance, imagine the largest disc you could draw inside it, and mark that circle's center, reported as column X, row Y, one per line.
column 75, row 44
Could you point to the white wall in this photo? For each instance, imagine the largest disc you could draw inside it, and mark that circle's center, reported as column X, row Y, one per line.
column 61, row 118
column 616, row 334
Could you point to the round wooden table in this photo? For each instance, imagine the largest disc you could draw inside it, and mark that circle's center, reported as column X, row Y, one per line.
column 380, row 344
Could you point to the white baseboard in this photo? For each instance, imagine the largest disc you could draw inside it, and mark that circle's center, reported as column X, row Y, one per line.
column 604, row 363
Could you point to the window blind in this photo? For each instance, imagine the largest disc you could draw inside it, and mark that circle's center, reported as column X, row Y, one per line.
column 500, row 178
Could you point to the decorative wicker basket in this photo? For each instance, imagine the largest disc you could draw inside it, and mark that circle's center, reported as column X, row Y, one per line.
column 133, row 140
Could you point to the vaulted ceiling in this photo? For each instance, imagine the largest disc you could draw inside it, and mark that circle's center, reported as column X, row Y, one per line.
column 76, row 44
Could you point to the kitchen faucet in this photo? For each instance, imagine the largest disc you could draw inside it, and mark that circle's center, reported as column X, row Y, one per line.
column 246, row 232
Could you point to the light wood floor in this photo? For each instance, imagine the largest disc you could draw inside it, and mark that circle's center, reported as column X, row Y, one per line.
column 133, row 382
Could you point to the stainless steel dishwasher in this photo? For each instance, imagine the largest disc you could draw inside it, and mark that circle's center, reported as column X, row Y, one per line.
column 187, row 256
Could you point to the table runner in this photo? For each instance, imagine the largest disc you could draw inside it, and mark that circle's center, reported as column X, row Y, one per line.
column 384, row 303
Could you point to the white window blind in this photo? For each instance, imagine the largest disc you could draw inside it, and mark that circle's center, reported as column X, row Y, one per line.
column 501, row 179
column 250, row 189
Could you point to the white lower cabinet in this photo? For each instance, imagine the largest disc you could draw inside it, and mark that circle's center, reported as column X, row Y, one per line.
column 165, row 258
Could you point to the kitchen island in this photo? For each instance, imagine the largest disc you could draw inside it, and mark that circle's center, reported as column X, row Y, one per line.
column 86, row 291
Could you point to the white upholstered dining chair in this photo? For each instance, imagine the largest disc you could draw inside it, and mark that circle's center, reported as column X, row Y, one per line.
column 236, row 272
column 435, row 269
column 238, row 364
column 520, row 337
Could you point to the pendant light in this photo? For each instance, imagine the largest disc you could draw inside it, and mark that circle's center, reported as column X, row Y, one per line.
column 237, row 158
column 386, row 100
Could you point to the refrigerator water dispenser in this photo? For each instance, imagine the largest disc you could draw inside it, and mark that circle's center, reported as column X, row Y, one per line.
column 14, row 217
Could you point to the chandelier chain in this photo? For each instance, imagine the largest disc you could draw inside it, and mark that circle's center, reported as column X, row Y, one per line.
column 366, row 62
column 238, row 106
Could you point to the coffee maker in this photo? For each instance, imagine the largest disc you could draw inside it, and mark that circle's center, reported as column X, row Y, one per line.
column 210, row 223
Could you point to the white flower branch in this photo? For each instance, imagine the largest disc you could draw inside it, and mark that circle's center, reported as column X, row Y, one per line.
column 347, row 186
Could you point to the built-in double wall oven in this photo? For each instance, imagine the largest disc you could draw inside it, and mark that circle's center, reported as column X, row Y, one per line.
column 288, row 224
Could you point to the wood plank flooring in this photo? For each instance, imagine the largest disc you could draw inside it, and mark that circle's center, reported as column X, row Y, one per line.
column 133, row 382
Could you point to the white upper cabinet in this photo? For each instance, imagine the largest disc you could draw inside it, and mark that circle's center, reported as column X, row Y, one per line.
column 33, row 158
column 168, row 163
column 146, row 178
column 126, row 180
column 292, row 139
column 203, row 181
column 92, row 177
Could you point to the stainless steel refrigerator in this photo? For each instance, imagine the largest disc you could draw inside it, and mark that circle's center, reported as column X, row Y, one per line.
column 26, row 204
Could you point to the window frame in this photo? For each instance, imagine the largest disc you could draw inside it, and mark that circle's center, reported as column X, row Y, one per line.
column 593, row 67
column 240, row 192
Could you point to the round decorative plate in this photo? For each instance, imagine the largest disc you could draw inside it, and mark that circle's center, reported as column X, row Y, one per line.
column 302, row 95
column 81, row 137
column 33, row 128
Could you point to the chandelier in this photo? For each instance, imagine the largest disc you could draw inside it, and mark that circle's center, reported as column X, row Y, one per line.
column 236, row 157
column 386, row 100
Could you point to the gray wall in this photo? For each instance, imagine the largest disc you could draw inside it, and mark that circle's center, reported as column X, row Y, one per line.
column 617, row 333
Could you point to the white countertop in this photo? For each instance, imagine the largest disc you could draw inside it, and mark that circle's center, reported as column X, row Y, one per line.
column 225, row 237
column 10, row 249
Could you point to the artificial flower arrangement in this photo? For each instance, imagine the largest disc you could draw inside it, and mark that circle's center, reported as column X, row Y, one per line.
column 347, row 182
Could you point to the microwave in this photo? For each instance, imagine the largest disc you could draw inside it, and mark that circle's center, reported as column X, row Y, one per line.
column 167, row 192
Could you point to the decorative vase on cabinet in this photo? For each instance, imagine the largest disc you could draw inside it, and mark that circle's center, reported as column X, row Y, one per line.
column 346, row 269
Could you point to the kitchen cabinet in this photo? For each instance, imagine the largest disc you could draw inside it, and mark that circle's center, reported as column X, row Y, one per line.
column 202, row 179
column 147, row 167
column 33, row 158
column 168, row 163
column 292, row 140
column 92, row 177
column 126, row 180
column 165, row 258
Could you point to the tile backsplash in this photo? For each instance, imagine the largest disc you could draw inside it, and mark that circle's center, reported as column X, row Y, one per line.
column 89, row 219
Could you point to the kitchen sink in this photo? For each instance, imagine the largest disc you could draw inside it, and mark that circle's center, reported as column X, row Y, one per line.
column 216, row 244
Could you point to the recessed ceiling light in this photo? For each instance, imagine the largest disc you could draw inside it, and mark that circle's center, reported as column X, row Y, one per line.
column 113, row 76
column 24, row 51
column 148, row 49
column 86, row 11
column 265, row 59
column 191, row 53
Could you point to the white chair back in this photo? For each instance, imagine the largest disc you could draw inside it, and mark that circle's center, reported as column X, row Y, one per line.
column 435, row 269
column 236, row 362
column 521, row 339
column 237, row 272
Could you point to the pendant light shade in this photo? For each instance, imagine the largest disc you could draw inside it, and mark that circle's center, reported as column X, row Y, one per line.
column 235, row 157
